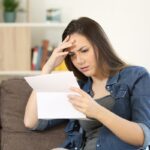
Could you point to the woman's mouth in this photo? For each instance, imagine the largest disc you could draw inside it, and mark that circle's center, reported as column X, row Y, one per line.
column 84, row 69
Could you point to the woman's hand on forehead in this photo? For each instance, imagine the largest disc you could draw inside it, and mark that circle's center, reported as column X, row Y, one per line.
column 67, row 42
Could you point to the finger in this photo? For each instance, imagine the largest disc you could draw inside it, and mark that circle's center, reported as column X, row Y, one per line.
column 63, row 53
column 73, row 41
column 78, row 106
column 79, row 109
column 63, row 46
column 76, row 103
column 74, row 97
column 66, row 39
column 77, row 100
column 78, row 90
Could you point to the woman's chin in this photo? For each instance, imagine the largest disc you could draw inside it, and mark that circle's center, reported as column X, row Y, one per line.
column 87, row 73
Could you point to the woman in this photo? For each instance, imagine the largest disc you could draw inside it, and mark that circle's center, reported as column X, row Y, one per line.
column 114, row 95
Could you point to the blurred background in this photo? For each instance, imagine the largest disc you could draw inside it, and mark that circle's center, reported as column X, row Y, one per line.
column 27, row 41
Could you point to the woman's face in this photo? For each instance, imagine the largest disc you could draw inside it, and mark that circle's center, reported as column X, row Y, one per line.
column 82, row 55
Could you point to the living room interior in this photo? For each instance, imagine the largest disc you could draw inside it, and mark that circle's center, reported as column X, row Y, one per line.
column 125, row 22
column 39, row 23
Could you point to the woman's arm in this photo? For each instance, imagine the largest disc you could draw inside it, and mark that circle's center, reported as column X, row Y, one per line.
column 57, row 57
column 127, row 131
column 30, row 117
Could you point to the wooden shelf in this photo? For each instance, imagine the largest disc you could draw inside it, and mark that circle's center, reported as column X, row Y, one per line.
column 16, row 43
column 19, row 73
column 47, row 24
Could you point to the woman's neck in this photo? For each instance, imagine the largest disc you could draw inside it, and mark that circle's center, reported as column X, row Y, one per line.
column 99, row 79
column 98, row 87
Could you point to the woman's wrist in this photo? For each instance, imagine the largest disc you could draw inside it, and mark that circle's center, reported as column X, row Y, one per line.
column 100, row 113
column 46, row 69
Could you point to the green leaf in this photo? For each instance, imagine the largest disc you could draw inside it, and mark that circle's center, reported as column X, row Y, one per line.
column 10, row 5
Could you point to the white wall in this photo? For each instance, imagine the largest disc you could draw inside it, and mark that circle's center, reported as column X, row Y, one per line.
column 126, row 22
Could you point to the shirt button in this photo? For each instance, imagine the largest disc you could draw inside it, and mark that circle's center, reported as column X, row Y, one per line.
column 107, row 87
column 111, row 91
column 97, row 145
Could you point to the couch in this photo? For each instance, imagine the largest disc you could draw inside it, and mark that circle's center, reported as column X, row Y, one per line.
column 14, row 94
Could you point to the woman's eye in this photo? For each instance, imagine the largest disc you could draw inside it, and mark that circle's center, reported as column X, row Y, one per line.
column 84, row 50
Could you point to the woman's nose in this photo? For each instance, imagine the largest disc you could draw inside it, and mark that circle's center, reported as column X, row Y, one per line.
column 80, row 59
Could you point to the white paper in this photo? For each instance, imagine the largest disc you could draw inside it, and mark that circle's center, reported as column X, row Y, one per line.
column 54, row 82
column 52, row 90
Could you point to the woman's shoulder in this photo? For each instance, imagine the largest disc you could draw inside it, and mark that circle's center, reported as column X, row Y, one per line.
column 131, row 74
column 135, row 71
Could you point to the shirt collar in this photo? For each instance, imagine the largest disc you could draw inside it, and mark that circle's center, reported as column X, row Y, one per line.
column 113, row 79
column 88, row 86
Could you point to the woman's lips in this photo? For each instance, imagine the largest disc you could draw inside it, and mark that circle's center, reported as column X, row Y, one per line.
column 84, row 69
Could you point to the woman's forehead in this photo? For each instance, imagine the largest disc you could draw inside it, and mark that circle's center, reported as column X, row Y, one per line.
column 78, row 41
column 78, row 37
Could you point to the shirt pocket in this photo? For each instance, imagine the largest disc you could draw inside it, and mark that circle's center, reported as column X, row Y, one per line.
column 120, row 91
column 122, row 100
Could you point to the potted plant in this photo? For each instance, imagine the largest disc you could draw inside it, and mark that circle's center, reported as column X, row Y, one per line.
column 10, row 7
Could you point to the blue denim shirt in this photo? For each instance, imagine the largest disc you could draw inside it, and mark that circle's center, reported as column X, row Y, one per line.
column 131, row 90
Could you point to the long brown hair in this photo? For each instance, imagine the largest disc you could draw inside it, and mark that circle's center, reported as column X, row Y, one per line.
column 109, row 63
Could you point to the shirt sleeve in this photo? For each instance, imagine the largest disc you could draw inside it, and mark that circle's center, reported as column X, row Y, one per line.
column 146, row 131
column 44, row 124
column 140, row 103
